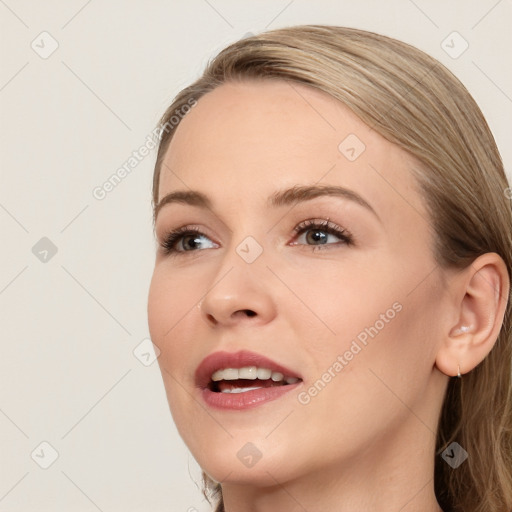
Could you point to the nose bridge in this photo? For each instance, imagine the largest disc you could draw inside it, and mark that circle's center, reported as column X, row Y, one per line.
column 239, row 282
column 245, row 247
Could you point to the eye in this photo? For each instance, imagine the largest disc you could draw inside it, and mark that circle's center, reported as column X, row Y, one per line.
column 184, row 239
column 320, row 231
column 188, row 238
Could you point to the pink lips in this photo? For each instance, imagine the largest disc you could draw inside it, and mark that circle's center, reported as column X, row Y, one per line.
column 247, row 399
column 221, row 360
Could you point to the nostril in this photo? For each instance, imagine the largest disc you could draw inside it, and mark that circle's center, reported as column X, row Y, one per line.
column 211, row 318
column 249, row 312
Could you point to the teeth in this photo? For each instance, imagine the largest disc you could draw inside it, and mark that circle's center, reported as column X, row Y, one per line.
column 252, row 373
column 218, row 375
column 248, row 372
column 264, row 373
column 231, row 374
column 238, row 390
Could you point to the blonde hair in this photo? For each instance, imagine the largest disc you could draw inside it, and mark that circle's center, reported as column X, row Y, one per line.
column 413, row 101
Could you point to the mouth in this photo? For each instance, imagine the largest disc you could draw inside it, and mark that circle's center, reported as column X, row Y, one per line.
column 226, row 381
column 241, row 372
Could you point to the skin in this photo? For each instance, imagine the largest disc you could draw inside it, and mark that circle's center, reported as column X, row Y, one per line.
column 367, row 440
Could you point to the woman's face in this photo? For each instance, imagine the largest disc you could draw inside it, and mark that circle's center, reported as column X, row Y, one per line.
column 357, row 318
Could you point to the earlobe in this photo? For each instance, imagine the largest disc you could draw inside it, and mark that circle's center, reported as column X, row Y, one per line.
column 480, row 298
column 454, row 358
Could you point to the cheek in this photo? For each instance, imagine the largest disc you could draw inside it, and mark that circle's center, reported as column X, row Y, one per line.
column 369, row 321
column 171, row 298
column 160, row 304
column 338, row 301
column 352, row 392
column 171, row 321
column 170, row 309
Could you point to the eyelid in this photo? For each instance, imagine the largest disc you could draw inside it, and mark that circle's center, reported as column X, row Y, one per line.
column 326, row 225
column 322, row 224
column 174, row 236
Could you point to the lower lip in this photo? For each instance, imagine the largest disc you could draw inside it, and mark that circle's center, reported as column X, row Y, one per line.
column 247, row 399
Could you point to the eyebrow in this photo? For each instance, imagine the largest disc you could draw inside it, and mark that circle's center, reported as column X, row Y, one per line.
column 287, row 197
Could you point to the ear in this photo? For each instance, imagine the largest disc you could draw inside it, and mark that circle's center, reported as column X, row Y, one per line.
column 480, row 294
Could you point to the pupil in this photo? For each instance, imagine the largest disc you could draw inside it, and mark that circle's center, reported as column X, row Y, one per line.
column 192, row 240
column 321, row 238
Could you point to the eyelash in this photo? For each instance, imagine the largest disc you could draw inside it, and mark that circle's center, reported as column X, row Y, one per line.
column 169, row 243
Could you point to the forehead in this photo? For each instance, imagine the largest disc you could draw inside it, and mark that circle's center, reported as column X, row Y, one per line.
column 244, row 140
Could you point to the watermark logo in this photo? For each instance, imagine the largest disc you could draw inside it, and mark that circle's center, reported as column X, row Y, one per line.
column 351, row 147
column 146, row 352
column 249, row 455
column 44, row 45
column 454, row 45
column 44, row 250
column 454, row 455
column 249, row 249
column 44, row 455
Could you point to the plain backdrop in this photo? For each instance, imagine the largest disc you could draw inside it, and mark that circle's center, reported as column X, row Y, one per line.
column 77, row 393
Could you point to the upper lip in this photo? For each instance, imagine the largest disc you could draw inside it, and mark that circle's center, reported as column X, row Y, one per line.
column 220, row 360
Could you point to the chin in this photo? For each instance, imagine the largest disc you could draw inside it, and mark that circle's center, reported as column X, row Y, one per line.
column 243, row 462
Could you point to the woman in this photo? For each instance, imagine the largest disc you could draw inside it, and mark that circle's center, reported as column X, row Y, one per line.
column 331, row 287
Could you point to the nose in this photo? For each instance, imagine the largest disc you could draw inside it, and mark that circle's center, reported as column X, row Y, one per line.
column 240, row 293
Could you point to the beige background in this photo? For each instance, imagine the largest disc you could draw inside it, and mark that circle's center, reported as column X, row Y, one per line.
column 70, row 324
